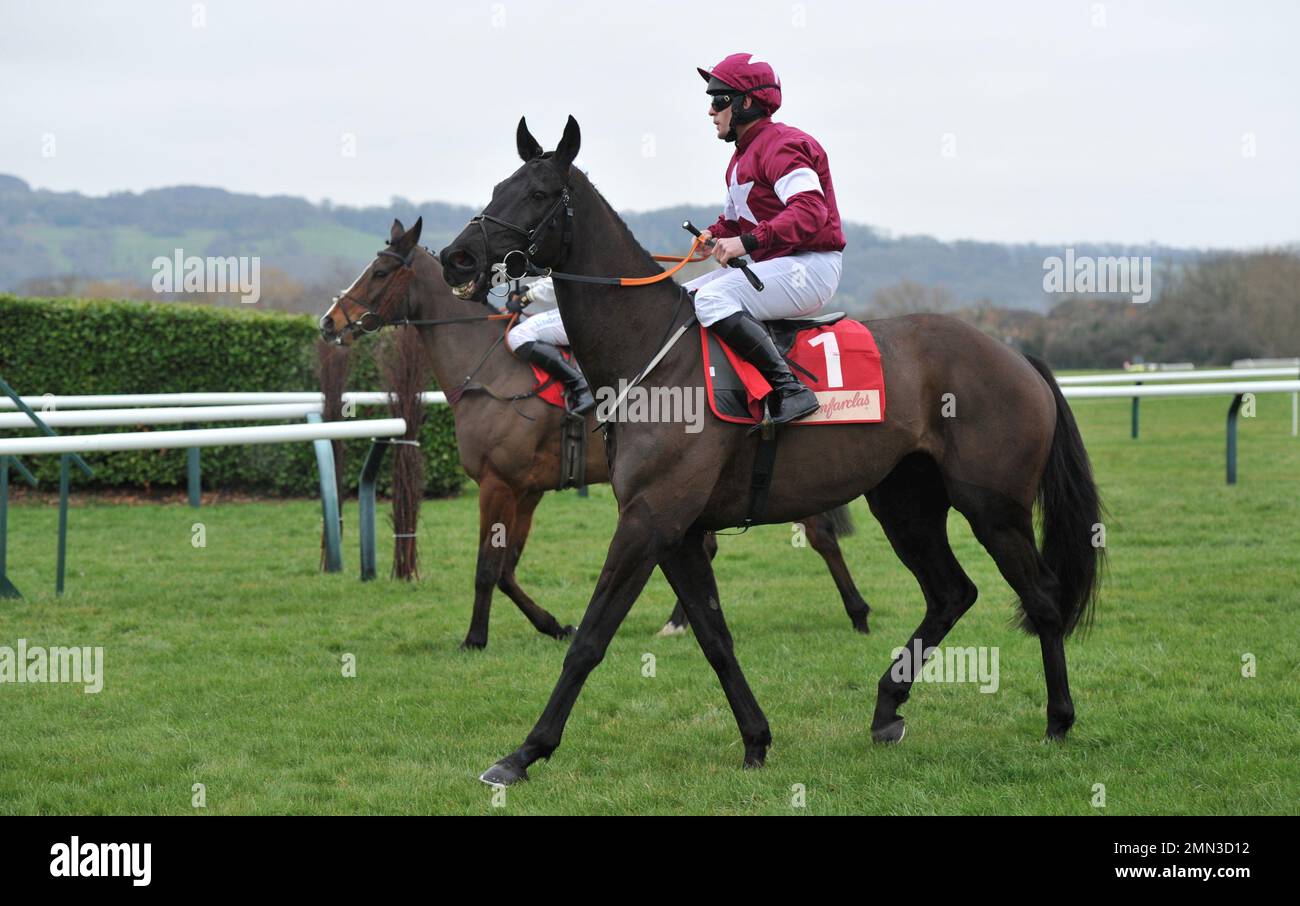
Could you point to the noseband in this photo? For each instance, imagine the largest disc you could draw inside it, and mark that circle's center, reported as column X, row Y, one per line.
column 501, row 272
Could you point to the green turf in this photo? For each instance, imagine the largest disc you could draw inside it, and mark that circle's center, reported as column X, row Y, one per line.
column 223, row 664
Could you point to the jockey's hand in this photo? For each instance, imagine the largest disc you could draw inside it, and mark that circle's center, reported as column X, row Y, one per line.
column 705, row 238
column 726, row 249
column 517, row 302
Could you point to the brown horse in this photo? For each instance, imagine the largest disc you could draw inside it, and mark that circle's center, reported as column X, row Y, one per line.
column 971, row 425
column 508, row 439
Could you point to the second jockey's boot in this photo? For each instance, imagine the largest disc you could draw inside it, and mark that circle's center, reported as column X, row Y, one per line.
column 789, row 399
column 550, row 360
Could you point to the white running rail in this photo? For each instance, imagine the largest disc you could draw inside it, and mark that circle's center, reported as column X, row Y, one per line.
column 202, row 437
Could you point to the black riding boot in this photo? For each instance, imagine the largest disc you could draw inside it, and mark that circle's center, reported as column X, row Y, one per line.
column 550, row 360
column 789, row 399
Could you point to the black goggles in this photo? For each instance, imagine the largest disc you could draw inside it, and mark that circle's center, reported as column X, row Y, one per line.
column 722, row 101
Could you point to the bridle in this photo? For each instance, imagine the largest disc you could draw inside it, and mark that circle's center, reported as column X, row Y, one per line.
column 501, row 271
column 396, row 289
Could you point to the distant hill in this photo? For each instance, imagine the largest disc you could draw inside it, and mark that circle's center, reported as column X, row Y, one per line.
column 47, row 234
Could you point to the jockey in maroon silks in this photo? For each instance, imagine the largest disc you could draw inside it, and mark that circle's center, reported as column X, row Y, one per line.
column 780, row 210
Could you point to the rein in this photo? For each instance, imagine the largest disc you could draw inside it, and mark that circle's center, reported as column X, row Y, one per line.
column 688, row 258
column 545, row 222
column 470, row 319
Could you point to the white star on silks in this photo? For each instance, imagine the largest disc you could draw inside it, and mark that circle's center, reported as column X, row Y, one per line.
column 739, row 195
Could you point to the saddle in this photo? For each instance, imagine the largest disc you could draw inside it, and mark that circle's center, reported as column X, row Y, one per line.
column 786, row 330
column 834, row 356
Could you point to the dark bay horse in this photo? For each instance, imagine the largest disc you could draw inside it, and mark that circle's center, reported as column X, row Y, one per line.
column 971, row 425
column 508, row 439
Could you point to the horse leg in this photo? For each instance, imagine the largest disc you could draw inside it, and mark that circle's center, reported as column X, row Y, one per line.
column 1006, row 530
column 689, row 569
column 635, row 549
column 542, row 621
column 820, row 533
column 912, row 507
column 678, row 622
column 496, row 516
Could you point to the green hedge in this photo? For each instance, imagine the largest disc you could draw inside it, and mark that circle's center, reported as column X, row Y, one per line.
column 79, row 346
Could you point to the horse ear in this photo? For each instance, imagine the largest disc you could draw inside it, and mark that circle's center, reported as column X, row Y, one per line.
column 396, row 232
column 524, row 141
column 409, row 238
column 567, row 150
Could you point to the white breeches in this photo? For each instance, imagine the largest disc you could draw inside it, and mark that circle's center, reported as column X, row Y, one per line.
column 544, row 326
column 794, row 286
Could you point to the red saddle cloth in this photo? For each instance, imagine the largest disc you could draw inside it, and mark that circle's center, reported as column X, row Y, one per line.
column 839, row 362
column 550, row 389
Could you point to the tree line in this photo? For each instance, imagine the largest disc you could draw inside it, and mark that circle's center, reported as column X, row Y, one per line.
column 1211, row 311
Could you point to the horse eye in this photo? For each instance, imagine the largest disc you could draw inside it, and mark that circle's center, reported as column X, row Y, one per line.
column 539, row 196
column 379, row 275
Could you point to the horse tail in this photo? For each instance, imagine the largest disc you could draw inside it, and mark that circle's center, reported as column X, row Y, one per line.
column 840, row 521
column 1071, row 510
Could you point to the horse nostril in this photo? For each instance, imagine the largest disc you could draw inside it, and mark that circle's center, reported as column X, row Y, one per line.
column 462, row 259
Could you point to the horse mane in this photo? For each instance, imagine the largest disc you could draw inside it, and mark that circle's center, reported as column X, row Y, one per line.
column 646, row 257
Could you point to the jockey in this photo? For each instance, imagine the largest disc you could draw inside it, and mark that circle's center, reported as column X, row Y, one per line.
column 781, row 211
column 537, row 339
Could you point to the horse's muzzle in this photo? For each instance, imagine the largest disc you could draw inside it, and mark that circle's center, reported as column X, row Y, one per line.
column 462, row 271
column 327, row 331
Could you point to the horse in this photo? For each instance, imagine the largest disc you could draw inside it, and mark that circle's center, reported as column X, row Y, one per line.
column 972, row 425
column 508, row 440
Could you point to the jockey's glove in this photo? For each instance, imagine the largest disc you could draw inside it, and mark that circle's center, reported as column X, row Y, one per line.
column 516, row 302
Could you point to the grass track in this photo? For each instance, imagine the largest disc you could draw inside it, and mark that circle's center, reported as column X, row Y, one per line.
column 223, row 664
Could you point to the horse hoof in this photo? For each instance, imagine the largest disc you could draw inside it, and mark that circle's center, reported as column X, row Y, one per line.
column 893, row 732
column 1059, row 724
column 755, row 759
column 470, row 645
column 503, row 774
column 564, row 634
column 671, row 629
column 862, row 628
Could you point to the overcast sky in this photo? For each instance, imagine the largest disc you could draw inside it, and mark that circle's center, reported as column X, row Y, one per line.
column 1043, row 120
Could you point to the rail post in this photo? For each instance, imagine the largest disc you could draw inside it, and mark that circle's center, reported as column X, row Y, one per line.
column 7, row 588
column 1133, row 428
column 366, row 506
column 329, row 500
column 63, row 523
column 193, row 479
column 1232, row 438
